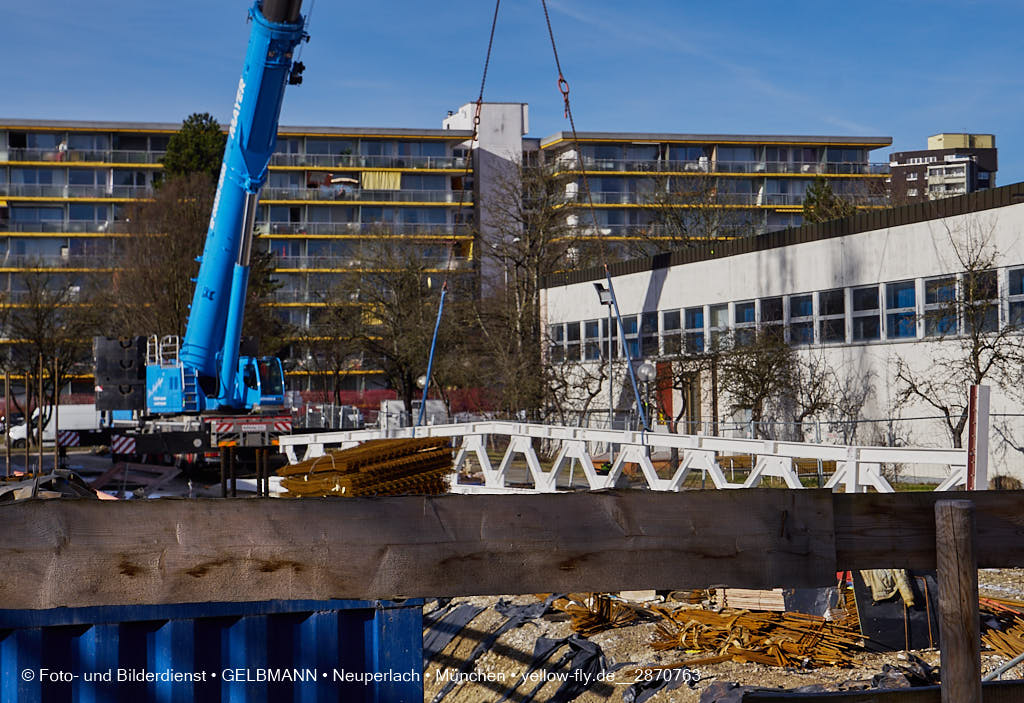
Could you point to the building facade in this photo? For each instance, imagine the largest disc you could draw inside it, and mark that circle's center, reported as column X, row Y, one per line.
column 331, row 193
column 865, row 296
column 655, row 192
column 953, row 164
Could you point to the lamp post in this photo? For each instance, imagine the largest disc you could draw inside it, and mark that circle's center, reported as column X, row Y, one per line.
column 646, row 373
column 605, row 296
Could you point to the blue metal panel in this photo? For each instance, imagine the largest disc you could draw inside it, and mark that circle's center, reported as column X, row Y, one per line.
column 164, row 389
column 241, row 647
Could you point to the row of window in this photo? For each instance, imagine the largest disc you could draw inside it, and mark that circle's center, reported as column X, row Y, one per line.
column 690, row 152
column 76, row 176
column 285, row 145
column 900, row 310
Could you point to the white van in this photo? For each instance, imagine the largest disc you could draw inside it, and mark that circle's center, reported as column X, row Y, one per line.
column 69, row 417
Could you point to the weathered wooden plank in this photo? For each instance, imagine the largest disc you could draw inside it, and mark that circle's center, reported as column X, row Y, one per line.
column 958, row 601
column 79, row 553
column 879, row 530
column 992, row 692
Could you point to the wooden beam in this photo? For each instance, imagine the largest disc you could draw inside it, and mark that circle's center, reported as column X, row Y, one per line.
column 82, row 553
column 958, row 601
column 880, row 530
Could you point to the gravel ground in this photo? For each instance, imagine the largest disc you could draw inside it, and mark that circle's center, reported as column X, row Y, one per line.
column 509, row 658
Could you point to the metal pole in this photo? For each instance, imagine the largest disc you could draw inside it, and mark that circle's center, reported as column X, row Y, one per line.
column 611, row 370
column 625, row 348
column 56, row 416
column 223, row 473
column 231, row 468
column 7, row 419
column 42, row 399
column 28, row 420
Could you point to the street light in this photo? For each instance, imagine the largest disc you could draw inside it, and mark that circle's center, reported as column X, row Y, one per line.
column 605, row 296
column 646, row 373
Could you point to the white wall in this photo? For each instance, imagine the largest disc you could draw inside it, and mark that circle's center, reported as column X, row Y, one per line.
column 912, row 251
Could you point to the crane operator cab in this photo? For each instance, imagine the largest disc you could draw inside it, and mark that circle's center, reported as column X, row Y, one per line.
column 174, row 387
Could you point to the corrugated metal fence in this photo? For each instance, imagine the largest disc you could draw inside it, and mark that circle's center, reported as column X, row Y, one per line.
column 337, row 650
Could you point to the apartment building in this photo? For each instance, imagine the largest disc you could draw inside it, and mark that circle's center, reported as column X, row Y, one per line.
column 65, row 188
column 953, row 164
column 332, row 192
column 654, row 192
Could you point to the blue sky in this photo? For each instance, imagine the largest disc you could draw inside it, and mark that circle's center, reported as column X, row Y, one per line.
column 901, row 68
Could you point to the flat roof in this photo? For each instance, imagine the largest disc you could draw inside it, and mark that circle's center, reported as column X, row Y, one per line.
column 117, row 126
column 977, row 201
column 873, row 142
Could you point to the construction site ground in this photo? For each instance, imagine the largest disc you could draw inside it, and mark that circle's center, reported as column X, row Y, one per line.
column 510, row 655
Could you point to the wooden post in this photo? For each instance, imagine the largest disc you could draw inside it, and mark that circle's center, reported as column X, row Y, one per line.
column 231, row 468
column 958, row 601
column 56, row 418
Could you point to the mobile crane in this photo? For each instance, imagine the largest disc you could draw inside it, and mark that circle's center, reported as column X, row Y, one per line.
column 193, row 387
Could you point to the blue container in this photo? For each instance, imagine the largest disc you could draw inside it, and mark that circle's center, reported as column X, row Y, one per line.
column 336, row 650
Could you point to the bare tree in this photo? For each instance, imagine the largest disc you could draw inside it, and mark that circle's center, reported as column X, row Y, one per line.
column 972, row 347
column 756, row 372
column 530, row 236
column 689, row 210
column 152, row 285
column 53, row 322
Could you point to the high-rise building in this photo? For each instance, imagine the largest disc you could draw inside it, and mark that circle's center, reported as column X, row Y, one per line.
column 953, row 164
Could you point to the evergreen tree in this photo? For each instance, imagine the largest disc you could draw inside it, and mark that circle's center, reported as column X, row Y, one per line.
column 822, row 204
column 198, row 147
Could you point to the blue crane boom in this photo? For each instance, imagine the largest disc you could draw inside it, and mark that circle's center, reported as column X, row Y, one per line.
column 210, row 352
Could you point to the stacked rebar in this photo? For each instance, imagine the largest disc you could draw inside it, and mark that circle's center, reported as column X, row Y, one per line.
column 374, row 468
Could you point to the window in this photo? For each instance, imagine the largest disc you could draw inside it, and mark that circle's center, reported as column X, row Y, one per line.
column 632, row 341
column 572, row 341
column 125, row 177
column 832, row 316
column 671, row 335
column 771, row 316
column 649, row 334
column 900, row 313
column 865, row 314
column 911, row 175
column 912, row 192
column 980, row 301
column 333, row 147
column 693, row 337
column 719, row 323
column 745, row 321
column 801, row 319
column 592, row 340
column 940, row 306
column 87, row 177
column 1016, row 296
column 556, row 338
column 614, row 338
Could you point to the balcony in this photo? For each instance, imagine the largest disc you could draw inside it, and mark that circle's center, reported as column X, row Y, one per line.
column 353, row 161
column 340, row 194
column 32, row 190
column 67, row 226
column 357, row 263
column 709, row 166
column 59, row 261
column 368, row 229
column 108, row 156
